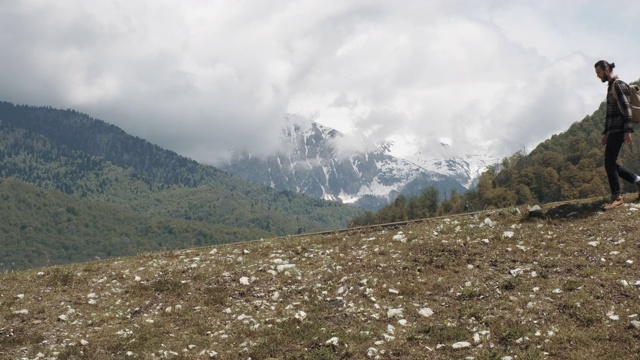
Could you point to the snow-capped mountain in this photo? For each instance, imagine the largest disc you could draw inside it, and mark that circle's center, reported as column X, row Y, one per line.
column 312, row 161
column 465, row 169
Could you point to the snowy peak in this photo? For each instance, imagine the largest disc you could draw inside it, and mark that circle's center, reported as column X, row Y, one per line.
column 322, row 162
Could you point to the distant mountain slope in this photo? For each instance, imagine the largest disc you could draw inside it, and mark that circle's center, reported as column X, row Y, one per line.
column 310, row 163
column 46, row 227
column 78, row 132
column 82, row 156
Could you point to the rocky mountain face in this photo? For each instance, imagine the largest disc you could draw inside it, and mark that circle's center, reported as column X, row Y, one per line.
column 310, row 162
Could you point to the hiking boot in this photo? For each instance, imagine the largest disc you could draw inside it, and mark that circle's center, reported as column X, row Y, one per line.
column 614, row 203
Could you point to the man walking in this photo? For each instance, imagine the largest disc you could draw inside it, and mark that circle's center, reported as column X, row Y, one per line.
column 617, row 131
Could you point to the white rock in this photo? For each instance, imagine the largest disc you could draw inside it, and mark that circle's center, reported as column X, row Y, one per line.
column 476, row 338
column 372, row 352
column 394, row 291
column 391, row 330
column 92, row 295
column 244, row 280
column 20, row 296
column 300, row 315
column 137, row 278
column 333, row 341
column 394, row 313
column 62, row 317
column 402, row 322
column 635, row 324
column 628, row 263
column 488, row 221
column 284, row 267
column 84, row 342
column 426, row 312
column 213, row 252
column 508, row 234
column 461, row 345
column 624, row 283
column 486, row 241
column 593, row 243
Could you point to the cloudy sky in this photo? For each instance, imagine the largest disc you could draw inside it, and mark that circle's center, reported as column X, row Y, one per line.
column 200, row 77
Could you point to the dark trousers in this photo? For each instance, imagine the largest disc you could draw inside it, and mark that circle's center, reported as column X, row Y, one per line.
column 611, row 152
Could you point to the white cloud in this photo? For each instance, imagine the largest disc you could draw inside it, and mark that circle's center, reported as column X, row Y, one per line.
column 201, row 77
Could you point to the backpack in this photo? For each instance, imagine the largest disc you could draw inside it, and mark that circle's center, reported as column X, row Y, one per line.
column 634, row 101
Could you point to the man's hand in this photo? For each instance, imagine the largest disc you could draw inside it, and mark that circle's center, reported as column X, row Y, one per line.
column 604, row 139
column 627, row 138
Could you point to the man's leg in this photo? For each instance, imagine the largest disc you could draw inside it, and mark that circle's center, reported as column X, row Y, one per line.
column 611, row 152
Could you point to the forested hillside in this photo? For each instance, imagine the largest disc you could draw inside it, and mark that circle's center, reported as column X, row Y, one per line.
column 89, row 159
column 42, row 227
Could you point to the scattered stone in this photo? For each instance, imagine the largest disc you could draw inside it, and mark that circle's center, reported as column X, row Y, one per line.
column 635, row 324
column 300, row 315
column 461, row 345
column 400, row 237
column 372, row 352
column 284, row 267
column 628, row 263
column 426, row 312
column 333, row 341
column 397, row 313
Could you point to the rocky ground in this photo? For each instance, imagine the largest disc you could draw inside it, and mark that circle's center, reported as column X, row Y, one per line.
column 563, row 284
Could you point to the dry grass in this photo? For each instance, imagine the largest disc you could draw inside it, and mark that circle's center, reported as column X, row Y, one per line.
column 556, row 288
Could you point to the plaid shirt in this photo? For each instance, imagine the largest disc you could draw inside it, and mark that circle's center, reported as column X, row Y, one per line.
column 618, row 121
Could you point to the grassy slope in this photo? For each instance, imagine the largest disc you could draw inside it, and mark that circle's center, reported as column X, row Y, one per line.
column 535, row 289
